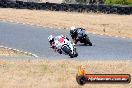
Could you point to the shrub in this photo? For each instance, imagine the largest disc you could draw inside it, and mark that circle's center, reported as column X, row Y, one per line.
column 122, row 2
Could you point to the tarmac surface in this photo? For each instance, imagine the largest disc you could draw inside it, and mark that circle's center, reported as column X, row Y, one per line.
column 34, row 39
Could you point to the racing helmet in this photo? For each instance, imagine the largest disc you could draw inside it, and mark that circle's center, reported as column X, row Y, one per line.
column 51, row 38
column 72, row 30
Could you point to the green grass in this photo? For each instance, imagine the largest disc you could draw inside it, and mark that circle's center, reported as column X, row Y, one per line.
column 119, row 2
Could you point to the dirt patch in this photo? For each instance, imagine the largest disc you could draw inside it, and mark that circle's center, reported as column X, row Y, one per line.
column 57, row 73
column 116, row 25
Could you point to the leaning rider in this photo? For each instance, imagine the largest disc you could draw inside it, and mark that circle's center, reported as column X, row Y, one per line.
column 76, row 33
column 56, row 42
column 51, row 40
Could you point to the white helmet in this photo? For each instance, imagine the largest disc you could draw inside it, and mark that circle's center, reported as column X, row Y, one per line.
column 51, row 38
column 72, row 28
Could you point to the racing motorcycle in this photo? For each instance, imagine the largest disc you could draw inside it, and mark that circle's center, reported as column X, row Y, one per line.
column 67, row 48
column 84, row 39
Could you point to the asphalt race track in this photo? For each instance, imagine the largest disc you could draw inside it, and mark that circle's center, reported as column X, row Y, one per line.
column 34, row 39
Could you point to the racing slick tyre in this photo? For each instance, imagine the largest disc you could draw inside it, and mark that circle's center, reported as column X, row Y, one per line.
column 90, row 44
column 75, row 53
column 87, row 41
column 71, row 55
column 67, row 51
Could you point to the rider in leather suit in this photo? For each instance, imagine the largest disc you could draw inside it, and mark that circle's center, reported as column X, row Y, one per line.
column 55, row 42
column 76, row 33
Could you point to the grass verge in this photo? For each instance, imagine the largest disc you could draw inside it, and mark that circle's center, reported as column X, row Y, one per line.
column 57, row 73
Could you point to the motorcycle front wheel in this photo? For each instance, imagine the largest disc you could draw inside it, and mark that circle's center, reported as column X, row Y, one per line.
column 87, row 41
column 75, row 53
column 67, row 51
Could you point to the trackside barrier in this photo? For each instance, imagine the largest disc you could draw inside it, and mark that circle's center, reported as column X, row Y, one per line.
column 108, row 9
